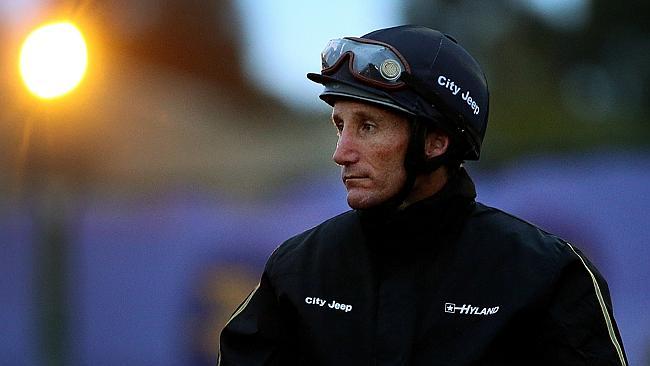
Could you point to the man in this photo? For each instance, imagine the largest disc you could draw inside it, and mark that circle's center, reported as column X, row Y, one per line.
column 418, row 273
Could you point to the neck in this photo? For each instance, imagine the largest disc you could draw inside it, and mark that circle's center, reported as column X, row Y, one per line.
column 426, row 185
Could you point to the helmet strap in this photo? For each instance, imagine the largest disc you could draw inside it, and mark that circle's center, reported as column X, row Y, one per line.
column 415, row 163
column 416, row 160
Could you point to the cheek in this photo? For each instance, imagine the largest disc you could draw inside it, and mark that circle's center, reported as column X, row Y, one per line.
column 390, row 162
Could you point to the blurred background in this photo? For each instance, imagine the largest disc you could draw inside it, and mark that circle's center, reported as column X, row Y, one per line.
column 137, row 211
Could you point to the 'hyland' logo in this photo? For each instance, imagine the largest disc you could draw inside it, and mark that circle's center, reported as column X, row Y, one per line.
column 468, row 309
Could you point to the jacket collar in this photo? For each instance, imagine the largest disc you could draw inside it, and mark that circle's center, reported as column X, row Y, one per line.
column 433, row 217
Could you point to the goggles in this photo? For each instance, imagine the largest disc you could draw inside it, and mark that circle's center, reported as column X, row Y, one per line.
column 370, row 61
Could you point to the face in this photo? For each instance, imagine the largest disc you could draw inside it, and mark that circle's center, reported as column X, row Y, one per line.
column 371, row 148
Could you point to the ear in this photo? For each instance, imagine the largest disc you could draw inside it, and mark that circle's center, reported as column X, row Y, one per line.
column 436, row 144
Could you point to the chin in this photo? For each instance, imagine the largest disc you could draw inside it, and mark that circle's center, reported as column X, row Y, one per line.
column 363, row 202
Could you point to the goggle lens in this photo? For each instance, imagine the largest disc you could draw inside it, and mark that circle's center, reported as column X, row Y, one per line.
column 368, row 60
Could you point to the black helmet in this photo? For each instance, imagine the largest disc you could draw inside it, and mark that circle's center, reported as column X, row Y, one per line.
column 416, row 70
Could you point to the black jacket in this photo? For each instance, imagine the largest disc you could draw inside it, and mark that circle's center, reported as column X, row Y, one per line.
column 448, row 281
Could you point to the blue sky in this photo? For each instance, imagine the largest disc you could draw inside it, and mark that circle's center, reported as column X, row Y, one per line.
column 283, row 39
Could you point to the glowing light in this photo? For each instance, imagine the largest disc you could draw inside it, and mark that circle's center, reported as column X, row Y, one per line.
column 53, row 60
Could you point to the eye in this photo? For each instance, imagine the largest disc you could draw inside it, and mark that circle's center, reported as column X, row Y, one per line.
column 339, row 126
column 368, row 126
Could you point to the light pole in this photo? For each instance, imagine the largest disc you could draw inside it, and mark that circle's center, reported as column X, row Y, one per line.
column 53, row 61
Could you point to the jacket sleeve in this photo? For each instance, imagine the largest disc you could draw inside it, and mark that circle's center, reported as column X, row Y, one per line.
column 256, row 332
column 579, row 327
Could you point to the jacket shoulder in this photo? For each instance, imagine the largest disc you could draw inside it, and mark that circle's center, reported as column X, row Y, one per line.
column 310, row 245
column 507, row 236
column 499, row 224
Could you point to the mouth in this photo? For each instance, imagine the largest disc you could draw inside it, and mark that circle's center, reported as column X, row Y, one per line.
column 353, row 178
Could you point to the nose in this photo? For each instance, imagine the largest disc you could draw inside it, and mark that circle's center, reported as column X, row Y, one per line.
column 346, row 152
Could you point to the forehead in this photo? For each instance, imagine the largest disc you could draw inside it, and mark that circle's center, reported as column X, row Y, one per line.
column 348, row 108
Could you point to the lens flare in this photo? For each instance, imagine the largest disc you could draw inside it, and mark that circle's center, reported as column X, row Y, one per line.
column 53, row 60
